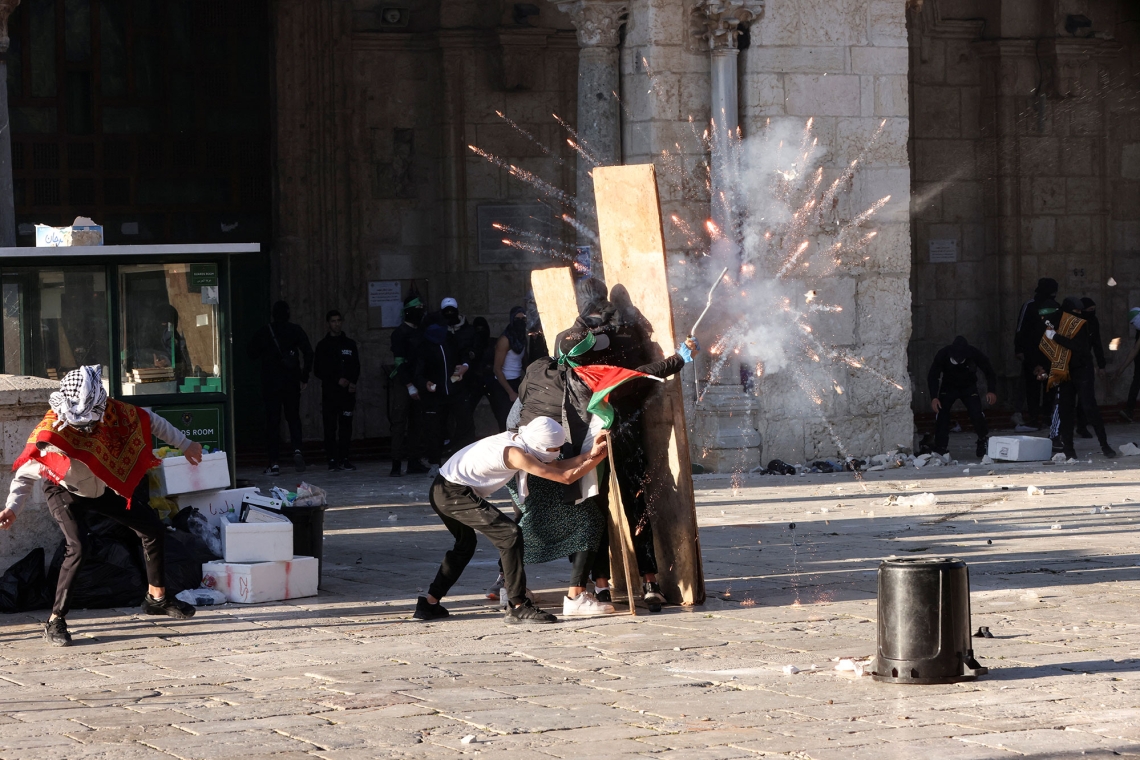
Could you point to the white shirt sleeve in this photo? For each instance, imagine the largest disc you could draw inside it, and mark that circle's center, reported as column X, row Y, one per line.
column 22, row 484
column 164, row 431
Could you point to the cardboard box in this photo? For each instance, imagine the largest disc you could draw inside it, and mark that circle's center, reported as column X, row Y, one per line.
column 257, row 542
column 1020, row 448
column 249, row 583
column 218, row 504
column 65, row 237
column 176, row 475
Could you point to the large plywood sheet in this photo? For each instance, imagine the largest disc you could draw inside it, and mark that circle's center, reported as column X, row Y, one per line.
column 633, row 256
column 554, row 296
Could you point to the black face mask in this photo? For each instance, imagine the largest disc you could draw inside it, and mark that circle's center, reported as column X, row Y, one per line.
column 415, row 316
column 451, row 316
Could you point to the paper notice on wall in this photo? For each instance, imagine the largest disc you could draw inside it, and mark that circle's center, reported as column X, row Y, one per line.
column 386, row 296
column 209, row 294
column 943, row 251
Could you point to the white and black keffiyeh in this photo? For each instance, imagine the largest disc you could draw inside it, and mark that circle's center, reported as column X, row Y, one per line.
column 81, row 399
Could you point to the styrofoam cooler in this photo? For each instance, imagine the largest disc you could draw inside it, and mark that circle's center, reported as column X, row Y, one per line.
column 249, row 583
column 176, row 475
column 216, row 505
column 257, row 542
column 1020, row 448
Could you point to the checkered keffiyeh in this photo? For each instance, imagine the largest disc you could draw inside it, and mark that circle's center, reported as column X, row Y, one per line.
column 81, row 399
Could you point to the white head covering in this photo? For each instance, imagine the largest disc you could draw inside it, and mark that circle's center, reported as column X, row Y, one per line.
column 540, row 434
column 81, row 399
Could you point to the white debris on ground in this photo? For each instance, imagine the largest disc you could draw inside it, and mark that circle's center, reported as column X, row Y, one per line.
column 469, row 739
column 860, row 666
column 917, row 500
column 790, row 670
column 1035, row 491
column 1130, row 450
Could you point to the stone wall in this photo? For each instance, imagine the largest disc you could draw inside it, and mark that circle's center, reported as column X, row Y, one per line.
column 1024, row 143
column 23, row 402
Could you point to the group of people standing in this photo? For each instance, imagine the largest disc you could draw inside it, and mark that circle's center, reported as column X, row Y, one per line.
column 1061, row 351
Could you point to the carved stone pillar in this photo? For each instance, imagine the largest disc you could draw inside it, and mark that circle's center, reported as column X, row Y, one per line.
column 599, row 115
column 7, row 201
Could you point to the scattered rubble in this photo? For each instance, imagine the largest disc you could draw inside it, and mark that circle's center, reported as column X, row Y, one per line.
column 1035, row 491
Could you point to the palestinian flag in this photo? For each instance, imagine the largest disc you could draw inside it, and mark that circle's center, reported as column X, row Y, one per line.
column 602, row 380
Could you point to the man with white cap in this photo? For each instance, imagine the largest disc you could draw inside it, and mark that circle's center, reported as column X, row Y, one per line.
column 1133, row 359
column 459, row 495
column 94, row 453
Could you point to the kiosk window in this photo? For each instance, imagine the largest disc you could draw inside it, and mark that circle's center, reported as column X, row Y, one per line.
column 169, row 318
column 54, row 320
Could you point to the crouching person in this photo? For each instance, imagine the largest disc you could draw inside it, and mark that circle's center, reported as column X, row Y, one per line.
column 94, row 453
column 459, row 493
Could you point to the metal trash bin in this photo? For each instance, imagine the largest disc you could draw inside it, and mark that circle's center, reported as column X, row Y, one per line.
column 308, row 533
column 924, row 622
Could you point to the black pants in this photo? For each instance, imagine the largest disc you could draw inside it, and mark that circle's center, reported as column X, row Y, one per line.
column 1079, row 392
column 1034, row 389
column 281, row 399
column 973, row 403
column 582, row 563
column 437, row 416
column 632, row 469
column 68, row 511
column 1134, row 388
column 406, row 421
column 336, row 412
column 501, row 402
column 464, row 513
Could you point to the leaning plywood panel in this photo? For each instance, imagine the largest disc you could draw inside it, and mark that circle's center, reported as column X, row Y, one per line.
column 633, row 256
column 554, row 297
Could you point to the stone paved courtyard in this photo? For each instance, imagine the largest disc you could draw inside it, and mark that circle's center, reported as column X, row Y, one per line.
column 349, row 675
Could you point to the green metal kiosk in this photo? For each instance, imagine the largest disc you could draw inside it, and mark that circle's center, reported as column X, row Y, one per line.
column 156, row 317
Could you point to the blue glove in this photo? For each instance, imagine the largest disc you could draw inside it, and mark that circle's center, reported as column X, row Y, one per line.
column 686, row 353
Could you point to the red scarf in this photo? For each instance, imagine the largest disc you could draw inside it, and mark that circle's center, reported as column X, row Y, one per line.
column 118, row 451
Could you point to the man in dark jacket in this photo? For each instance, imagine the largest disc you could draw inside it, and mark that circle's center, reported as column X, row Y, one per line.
column 286, row 361
column 462, row 343
column 1088, row 312
column 954, row 375
column 1073, row 375
column 338, row 368
column 1025, row 346
column 437, row 374
column 404, row 401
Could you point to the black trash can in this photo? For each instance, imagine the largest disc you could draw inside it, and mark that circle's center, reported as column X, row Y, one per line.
column 924, row 622
column 308, row 533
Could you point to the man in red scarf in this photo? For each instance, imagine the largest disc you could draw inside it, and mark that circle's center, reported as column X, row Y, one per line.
column 94, row 453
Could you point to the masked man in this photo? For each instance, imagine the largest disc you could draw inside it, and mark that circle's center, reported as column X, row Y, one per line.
column 954, row 375
column 94, row 453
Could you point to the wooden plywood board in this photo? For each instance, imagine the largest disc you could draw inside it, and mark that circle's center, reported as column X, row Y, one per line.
column 633, row 256
column 554, row 296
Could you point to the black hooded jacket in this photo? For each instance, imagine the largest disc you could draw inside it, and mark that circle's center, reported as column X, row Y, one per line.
column 963, row 376
column 283, row 348
column 336, row 357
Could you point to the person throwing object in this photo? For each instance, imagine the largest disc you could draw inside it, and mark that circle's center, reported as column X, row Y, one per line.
column 459, row 494
column 94, row 453
column 954, row 375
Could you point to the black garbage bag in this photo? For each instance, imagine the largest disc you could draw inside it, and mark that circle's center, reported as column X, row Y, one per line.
column 779, row 467
column 185, row 554
column 111, row 574
column 24, row 585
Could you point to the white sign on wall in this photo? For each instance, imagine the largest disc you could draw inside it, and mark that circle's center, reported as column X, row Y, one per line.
column 943, row 251
column 386, row 296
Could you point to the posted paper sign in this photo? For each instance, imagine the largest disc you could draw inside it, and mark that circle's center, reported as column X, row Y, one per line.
column 386, row 296
column 943, row 251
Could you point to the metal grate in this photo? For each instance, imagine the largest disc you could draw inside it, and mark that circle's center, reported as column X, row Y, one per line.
column 116, row 155
column 81, row 191
column 81, row 157
column 185, row 154
column 45, row 157
column 45, row 192
column 117, row 191
column 17, row 156
column 152, row 155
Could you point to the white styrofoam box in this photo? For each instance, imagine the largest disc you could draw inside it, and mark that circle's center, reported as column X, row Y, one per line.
column 257, row 542
column 251, row 582
column 176, row 475
column 1020, row 448
column 216, row 505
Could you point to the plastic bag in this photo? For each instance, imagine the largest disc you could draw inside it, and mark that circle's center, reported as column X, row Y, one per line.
column 310, row 496
column 195, row 523
column 24, row 585
column 201, row 597
column 185, row 554
column 281, row 494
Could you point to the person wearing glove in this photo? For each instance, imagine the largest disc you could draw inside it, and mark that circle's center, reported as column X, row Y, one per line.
column 954, row 375
column 404, row 407
column 94, row 453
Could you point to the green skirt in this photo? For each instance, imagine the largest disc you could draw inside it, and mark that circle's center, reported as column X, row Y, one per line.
column 553, row 529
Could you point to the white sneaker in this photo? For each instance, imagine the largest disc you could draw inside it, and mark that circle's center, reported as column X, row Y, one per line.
column 584, row 604
column 1025, row 429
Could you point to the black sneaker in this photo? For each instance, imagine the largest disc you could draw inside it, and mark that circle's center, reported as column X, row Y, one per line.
column 416, row 467
column 55, row 633
column 651, row 592
column 1126, row 416
column 981, row 449
column 603, row 595
column 1108, row 451
column 334, row 465
column 272, row 470
column 299, row 460
column 347, row 465
column 428, row 611
column 1084, row 432
column 396, row 471
column 527, row 613
column 168, row 605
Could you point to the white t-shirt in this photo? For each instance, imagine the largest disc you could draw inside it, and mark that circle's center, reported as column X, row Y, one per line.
column 483, row 467
column 512, row 365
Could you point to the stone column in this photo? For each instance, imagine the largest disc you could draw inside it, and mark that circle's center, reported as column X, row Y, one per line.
column 726, row 421
column 599, row 113
column 7, row 199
